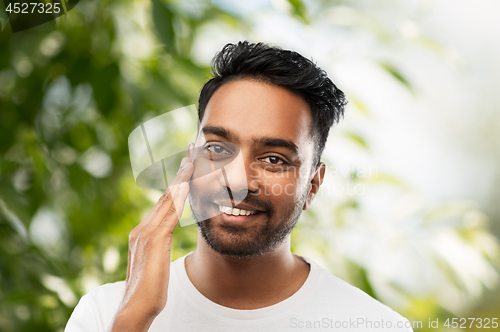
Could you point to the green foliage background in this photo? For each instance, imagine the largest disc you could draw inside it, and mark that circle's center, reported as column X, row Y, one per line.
column 43, row 143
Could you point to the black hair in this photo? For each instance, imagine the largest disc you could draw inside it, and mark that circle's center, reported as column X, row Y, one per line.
column 283, row 68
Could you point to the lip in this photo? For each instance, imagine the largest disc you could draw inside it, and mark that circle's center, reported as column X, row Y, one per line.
column 239, row 220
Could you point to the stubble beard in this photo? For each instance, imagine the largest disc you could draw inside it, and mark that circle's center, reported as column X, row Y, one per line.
column 243, row 241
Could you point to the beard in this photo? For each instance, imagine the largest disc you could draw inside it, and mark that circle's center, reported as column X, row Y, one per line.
column 243, row 241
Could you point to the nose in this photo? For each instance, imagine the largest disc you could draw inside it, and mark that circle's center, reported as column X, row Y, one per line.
column 237, row 177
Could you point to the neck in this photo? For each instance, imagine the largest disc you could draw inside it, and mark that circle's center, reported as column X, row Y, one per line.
column 246, row 283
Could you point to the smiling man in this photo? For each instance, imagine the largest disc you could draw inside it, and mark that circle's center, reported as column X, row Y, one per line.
column 255, row 166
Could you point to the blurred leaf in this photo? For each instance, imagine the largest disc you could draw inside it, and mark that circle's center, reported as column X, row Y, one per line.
column 396, row 73
column 163, row 19
column 4, row 18
column 357, row 138
column 384, row 178
column 359, row 105
column 14, row 221
column 366, row 285
column 300, row 10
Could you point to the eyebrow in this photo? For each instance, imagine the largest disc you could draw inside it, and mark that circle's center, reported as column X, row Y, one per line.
column 261, row 141
column 277, row 142
column 219, row 131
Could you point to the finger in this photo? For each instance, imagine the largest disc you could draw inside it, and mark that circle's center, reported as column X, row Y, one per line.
column 173, row 216
column 184, row 174
column 186, row 164
column 190, row 151
column 166, row 207
column 194, row 152
column 178, row 177
column 180, row 199
column 190, row 155
column 164, row 202
column 128, row 262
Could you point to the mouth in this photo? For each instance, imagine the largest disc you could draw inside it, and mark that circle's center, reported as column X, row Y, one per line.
column 240, row 214
column 237, row 212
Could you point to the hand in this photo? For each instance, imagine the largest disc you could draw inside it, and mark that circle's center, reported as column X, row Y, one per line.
column 148, row 268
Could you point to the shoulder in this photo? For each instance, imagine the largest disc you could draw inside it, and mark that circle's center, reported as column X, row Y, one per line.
column 107, row 292
column 350, row 302
column 110, row 295
column 96, row 309
column 103, row 299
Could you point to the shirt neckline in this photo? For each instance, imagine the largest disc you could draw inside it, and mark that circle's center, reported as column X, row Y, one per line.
column 199, row 299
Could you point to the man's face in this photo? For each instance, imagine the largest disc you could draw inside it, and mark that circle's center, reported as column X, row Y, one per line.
column 260, row 133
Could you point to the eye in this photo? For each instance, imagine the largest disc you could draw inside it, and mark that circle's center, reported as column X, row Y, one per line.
column 217, row 149
column 273, row 160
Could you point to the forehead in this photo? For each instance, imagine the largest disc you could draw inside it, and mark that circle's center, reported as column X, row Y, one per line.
column 252, row 108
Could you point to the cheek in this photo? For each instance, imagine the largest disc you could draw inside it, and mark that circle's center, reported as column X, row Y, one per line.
column 280, row 186
column 203, row 181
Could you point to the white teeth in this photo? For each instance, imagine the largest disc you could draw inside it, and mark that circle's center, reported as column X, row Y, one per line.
column 235, row 211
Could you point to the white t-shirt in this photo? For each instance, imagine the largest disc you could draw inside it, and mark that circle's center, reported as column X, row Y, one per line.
column 323, row 303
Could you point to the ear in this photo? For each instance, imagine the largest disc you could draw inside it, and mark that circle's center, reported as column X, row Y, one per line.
column 316, row 181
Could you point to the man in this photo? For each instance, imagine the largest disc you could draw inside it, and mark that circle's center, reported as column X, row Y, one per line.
column 273, row 108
